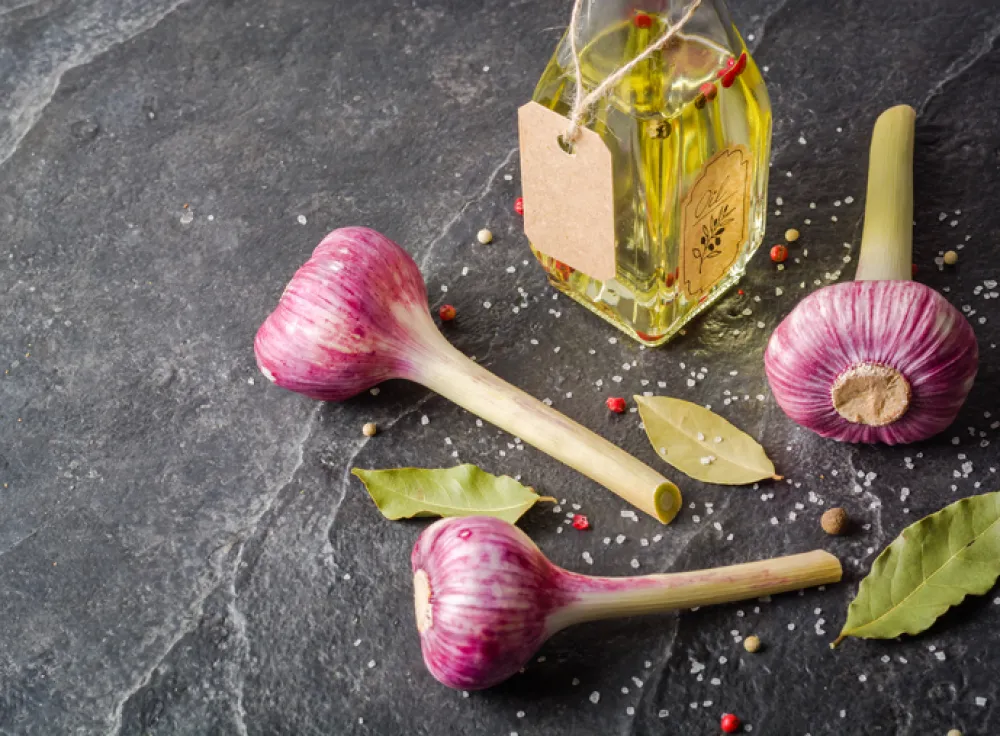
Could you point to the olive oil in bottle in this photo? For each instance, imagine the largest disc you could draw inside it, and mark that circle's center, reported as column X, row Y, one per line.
column 689, row 133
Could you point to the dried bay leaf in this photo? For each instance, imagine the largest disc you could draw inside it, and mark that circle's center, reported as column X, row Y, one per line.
column 702, row 444
column 465, row 490
column 929, row 568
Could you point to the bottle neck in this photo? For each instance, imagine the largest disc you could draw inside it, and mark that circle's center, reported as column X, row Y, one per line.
column 711, row 21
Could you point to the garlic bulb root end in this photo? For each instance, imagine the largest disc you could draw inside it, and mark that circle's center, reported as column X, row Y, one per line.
column 871, row 393
column 422, row 601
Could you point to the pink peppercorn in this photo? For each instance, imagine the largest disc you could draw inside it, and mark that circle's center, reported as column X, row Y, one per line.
column 580, row 522
column 729, row 723
column 616, row 404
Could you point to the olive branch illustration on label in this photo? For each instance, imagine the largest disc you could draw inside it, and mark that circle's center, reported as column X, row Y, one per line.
column 711, row 236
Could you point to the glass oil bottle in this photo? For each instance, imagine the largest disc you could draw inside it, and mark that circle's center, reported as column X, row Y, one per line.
column 689, row 131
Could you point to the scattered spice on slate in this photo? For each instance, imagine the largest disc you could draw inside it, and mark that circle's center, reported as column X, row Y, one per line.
column 729, row 723
column 616, row 404
column 484, row 236
column 791, row 235
column 580, row 522
column 369, row 429
column 834, row 521
column 779, row 254
column 752, row 644
column 950, row 258
column 447, row 313
column 519, row 205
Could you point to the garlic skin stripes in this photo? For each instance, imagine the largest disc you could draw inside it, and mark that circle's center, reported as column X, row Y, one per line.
column 898, row 324
column 486, row 598
column 354, row 315
column 883, row 359
column 489, row 591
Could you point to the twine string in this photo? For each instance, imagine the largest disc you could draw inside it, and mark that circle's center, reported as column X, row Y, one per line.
column 583, row 102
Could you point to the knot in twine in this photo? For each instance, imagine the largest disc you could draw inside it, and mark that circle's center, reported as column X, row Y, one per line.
column 581, row 102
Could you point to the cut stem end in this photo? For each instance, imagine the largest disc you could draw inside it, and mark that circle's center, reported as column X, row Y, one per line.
column 667, row 501
column 871, row 394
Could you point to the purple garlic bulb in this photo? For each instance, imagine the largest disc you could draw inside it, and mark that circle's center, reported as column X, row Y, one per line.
column 464, row 568
column 873, row 361
column 486, row 598
column 348, row 318
column 882, row 359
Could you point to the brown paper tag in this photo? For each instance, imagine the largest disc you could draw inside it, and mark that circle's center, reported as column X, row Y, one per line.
column 714, row 219
column 569, row 211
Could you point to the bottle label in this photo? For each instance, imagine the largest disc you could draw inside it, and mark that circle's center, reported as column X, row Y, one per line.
column 569, row 199
column 714, row 220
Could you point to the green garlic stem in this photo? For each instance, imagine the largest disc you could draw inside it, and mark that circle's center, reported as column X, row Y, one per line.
column 887, row 243
column 603, row 598
column 448, row 372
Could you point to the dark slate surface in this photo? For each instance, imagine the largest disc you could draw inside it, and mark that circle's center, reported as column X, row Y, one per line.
column 182, row 549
